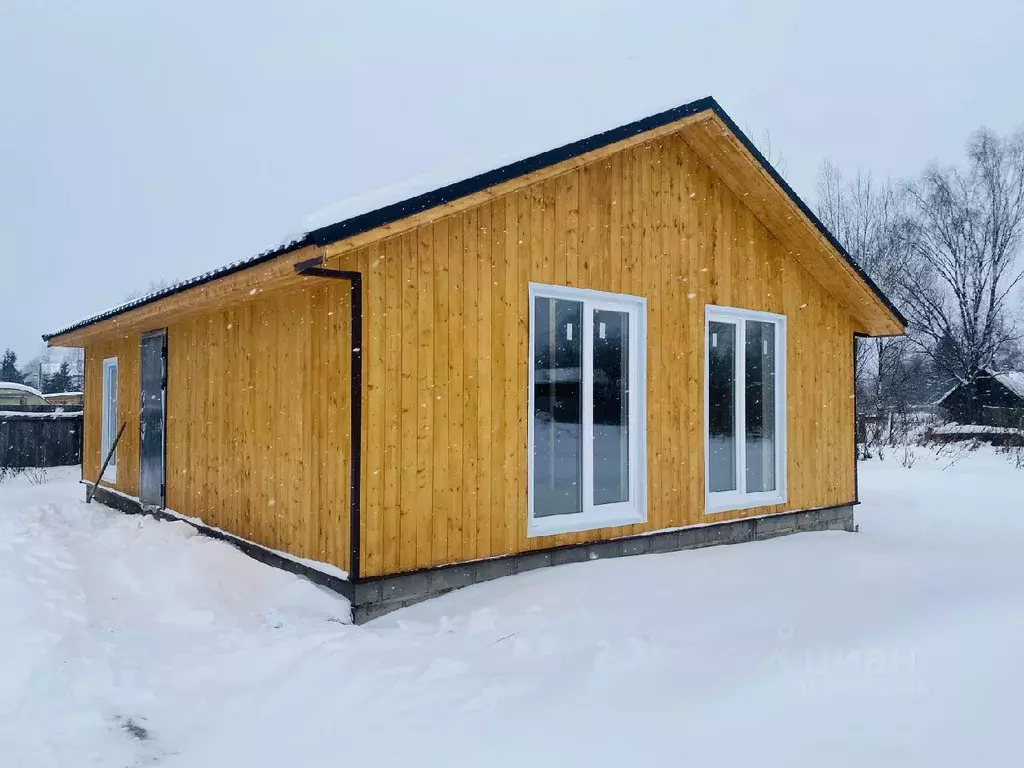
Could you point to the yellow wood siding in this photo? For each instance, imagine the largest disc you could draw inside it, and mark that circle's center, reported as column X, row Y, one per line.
column 258, row 420
column 447, row 337
column 126, row 350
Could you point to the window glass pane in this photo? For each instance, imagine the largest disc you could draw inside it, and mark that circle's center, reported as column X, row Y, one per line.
column 611, row 406
column 760, row 406
column 721, row 406
column 557, row 407
column 110, row 408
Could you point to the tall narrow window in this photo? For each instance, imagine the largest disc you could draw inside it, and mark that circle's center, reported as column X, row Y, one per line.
column 745, row 409
column 586, row 430
column 108, row 429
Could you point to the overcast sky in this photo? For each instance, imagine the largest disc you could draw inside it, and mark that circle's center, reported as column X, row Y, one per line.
column 144, row 141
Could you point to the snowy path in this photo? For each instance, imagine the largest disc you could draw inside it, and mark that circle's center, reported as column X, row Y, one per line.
column 896, row 646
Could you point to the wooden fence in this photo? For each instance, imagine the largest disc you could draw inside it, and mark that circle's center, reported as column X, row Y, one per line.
column 40, row 438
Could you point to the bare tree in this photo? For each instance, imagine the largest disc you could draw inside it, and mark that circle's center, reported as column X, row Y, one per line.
column 155, row 286
column 967, row 232
column 871, row 219
column 76, row 359
column 763, row 142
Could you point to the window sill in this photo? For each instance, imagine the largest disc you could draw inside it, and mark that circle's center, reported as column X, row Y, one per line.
column 556, row 524
column 110, row 476
column 737, row 503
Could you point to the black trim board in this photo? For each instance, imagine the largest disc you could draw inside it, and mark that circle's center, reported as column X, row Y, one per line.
column 391, row 213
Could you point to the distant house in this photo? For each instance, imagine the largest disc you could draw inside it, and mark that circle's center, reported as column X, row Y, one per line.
column 991, row 398
column 65, row 398
column 638, row 342
column 12, row 393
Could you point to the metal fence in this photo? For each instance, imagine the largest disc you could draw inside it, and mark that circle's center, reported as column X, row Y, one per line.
column 30, row 437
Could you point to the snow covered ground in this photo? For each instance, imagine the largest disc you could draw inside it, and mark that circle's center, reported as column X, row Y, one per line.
column 126, row 641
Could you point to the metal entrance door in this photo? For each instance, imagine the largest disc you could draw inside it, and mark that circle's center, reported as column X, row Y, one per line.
column 152, row 417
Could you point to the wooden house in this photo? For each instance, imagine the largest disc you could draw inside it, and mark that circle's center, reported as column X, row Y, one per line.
column 990, row 398
column 641, row 341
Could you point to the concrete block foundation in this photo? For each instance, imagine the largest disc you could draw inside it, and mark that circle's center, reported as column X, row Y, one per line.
column 374, row 597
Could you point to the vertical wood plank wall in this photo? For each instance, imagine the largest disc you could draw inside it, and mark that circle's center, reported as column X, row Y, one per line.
column 258, row 420
column 445, row 423
column 126, row 350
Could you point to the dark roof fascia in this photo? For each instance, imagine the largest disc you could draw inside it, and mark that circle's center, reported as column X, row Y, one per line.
column 206, row 277
column 391, row 213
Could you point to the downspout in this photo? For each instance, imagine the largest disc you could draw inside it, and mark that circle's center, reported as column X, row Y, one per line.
column 312, row 268
column 856, row 418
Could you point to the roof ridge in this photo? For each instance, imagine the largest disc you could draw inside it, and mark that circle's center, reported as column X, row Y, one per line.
column 364, row 222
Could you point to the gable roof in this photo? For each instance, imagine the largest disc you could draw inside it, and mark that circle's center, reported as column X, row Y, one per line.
column 1012, row 380
column 369, row 221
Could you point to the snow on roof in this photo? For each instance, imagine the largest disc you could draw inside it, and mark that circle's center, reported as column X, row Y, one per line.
column 63, row 394
column 20, row 387
column 948, row 393
column 555, row 134
column 1013, row 381
column 973, row 429
column 60, row 413
column 381, row 197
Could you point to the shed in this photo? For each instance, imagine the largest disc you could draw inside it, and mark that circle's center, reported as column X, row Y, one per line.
column 989, row 398
column 640, row 341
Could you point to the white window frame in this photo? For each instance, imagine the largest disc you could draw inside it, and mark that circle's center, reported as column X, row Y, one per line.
column 726, row 501
column 107, row 432
column 594, row 516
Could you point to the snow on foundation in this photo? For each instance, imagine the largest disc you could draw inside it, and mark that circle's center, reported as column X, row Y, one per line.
column 894, row 646
column 315, row 565
column 974, row 429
